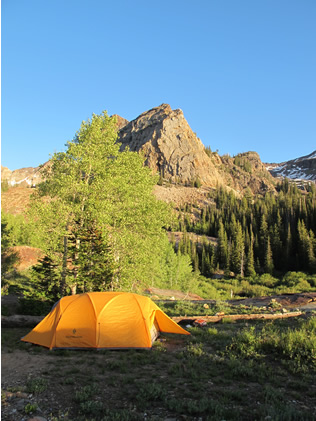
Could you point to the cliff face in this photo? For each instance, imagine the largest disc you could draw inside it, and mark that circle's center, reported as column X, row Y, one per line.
column 169, row 146
column 172, row 149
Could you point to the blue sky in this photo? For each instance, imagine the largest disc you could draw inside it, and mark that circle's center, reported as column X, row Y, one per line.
column 242, row 71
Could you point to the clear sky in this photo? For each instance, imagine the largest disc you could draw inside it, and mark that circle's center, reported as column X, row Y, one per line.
column 242, row 71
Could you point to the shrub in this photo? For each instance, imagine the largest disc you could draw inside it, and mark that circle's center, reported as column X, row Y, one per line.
column 36, row 385
column 297, row 347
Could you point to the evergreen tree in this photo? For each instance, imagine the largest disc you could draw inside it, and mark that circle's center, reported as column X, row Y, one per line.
column 306, row 247
column 237, row 256
column 222, row 247
column 8, row 257
column 268, row 261
column 46, row 277
column 250, row 261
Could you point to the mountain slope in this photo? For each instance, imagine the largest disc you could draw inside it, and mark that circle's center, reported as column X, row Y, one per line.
column 303, row 168
column 173, row 150
column 169, row 145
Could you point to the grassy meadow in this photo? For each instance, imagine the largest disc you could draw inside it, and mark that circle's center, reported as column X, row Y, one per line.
column 254, row 370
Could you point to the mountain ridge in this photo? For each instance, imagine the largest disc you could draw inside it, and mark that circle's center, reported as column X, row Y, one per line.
column 171, row 149
column 301, row 168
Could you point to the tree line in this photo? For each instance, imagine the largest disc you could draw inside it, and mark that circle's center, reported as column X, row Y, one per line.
column 270, row 234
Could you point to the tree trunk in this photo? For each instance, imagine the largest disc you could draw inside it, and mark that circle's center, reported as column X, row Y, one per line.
column 64, row 271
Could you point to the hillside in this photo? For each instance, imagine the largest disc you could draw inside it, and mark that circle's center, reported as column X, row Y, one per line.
column 173, row 150
column 302, row 168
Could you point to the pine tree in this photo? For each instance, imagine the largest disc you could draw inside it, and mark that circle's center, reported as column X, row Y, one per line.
column 222, row 247
column 250, row 261
column 46, row 277
column 237, row 256
column 268, row 261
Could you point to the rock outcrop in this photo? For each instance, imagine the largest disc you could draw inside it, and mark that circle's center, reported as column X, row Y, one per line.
column 121, row 122
column 169, row 146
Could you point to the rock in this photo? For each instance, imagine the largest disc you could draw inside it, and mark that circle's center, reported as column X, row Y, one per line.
column 37, row 418
column 20, row 405
column 21, row 395
column 9, row 395
column 121, row 122
column 169, row 145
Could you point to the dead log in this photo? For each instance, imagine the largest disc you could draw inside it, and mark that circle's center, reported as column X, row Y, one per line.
column 19, row 320
column 215, row 319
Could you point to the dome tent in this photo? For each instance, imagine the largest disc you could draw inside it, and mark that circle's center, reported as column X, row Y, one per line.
column 102, row 320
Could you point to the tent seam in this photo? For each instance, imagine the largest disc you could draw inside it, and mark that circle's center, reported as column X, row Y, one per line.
column 60, row 315
column 146, row 327
column 103, row 308
column 95, row 316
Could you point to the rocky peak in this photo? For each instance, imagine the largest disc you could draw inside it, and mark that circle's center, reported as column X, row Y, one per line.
column 121, row 122
column 169, row 145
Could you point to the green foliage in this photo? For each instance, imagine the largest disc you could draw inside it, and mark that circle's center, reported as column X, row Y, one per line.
column 243, row 162
column 297, row 281
column 30, row 408
column 86, row 393
column 295, row 347
column 150, row 393
column 19, row 231
column 92, row 408
column 36, row 385
column 208, row 151
column 8, row 257
column 100, row 224
column 32, row 306
column 274, row 233
column 194, row 350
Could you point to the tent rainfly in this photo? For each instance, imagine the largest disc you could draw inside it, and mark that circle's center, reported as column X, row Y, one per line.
column 102, row 320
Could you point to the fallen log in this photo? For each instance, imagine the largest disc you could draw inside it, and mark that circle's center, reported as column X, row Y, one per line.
column 215, row 319
column 19, row 320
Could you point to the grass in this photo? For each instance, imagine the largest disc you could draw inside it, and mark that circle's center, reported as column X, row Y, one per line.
column 248, row 371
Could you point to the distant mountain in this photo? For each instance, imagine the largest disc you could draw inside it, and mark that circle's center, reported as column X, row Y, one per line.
column 173, row 150
column 303, row 168
column 24, row 177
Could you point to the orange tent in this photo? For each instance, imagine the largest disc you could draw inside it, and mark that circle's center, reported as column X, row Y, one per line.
column 102, row 320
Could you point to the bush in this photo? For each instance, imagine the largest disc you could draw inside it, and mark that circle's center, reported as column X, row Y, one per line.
column 296, row 281
column 297, row 347
column 34, row 307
